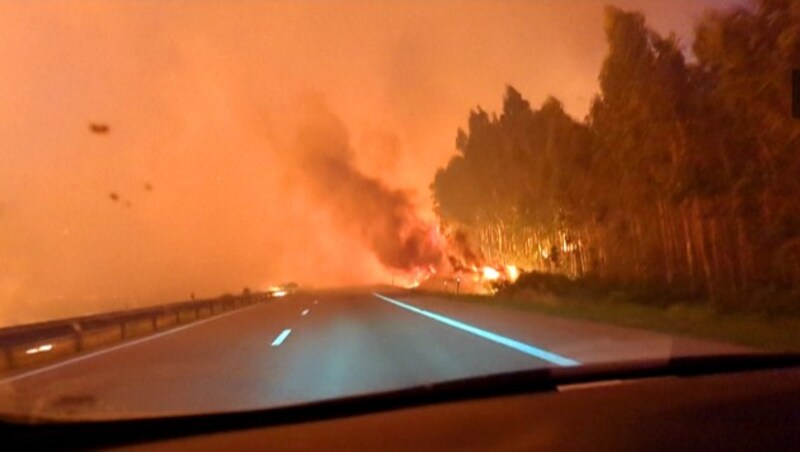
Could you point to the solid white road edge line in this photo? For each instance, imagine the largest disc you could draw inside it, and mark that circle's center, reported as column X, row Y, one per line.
column 488, row 335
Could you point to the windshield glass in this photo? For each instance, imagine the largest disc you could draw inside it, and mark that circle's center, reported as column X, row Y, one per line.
column 219, row 206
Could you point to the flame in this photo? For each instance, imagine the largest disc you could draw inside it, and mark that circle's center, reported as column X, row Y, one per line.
column 513, row 272
column 413, row 285
column 39, row 349
column 462, row 263
column 413, row 279
column 490, row 273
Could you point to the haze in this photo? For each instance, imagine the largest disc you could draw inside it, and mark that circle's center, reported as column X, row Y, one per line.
column 197, row 186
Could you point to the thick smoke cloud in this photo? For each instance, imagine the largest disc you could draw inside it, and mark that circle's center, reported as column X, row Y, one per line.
column 383, row 218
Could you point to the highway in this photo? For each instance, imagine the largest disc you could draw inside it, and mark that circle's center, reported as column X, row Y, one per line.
column 320, row 345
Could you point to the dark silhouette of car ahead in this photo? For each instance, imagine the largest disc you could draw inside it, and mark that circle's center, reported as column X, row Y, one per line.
column 726, row 402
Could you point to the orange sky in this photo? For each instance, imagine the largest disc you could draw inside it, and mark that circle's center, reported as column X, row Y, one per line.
column 203, row 99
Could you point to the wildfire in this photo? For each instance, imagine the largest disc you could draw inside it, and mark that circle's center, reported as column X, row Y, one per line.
column 513, row 272
column 490, row 274
column 276, row 292
column 463, row 267
column 413, row 279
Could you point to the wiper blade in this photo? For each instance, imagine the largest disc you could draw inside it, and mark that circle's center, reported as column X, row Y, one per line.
column 714, row 364
column 679, row 366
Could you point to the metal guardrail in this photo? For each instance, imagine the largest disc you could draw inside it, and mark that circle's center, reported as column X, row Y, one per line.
column 39, row 343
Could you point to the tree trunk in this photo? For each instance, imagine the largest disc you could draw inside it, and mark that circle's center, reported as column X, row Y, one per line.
column 702, row 249
column 687, row 238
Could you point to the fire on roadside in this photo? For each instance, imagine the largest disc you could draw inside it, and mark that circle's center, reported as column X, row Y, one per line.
column 513, row 272
column 472, row 279
column 498, row 273
column 462, row 267
column 490, row 273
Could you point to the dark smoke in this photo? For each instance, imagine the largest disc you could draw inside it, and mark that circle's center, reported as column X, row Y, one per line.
column 462, row 255
column 385, row 219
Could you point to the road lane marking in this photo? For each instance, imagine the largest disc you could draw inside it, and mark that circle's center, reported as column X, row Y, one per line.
column 488, row 335
column 304, row 312
column 103, row 351
column 281, row 337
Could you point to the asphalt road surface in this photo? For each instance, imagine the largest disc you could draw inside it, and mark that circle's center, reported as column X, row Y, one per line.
column 316, row 346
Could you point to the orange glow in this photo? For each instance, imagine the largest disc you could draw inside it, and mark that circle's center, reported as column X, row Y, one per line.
column 513, row 272
column 39, row 349
column 490, row 274
column 149, row 148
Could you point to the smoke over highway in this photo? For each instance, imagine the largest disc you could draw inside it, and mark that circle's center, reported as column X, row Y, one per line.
column 383, row 218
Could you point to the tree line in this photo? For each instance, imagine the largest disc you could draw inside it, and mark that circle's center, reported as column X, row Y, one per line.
column 684, row 176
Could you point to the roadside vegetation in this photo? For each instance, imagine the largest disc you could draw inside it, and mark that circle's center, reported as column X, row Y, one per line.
column 769, row 329
column 674, row 204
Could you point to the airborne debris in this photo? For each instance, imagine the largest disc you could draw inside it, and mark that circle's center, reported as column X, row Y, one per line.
column 98, row 128
column 115, row 197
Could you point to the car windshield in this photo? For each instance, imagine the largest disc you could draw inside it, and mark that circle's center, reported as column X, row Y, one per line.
column 222, row 206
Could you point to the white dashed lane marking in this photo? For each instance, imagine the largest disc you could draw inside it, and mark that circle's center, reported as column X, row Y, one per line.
column 281, row 337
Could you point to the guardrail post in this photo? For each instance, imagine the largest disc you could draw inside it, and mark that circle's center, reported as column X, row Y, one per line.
column 80, row 334
column 6, row 358
column 76, row 327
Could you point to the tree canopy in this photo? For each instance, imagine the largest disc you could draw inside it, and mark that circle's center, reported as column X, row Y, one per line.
column 685, row 175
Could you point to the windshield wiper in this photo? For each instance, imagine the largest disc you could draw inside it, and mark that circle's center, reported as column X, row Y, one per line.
column 679, row 366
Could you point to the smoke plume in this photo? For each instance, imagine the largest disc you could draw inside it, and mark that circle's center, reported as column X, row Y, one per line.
column 384, row 219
